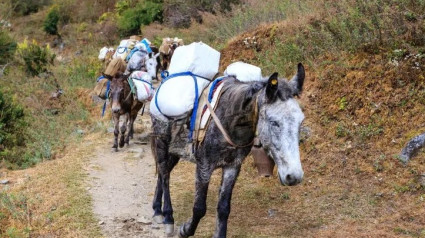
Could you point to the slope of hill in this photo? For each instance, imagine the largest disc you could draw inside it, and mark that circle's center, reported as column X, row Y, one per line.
column 364, row 98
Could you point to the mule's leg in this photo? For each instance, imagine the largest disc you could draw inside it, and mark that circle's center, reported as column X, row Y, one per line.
column 129, row 129
column 116, row 118
column 123, row 129
column 157, row 201
column 228, row 181
column 203, row 175
column 167, row 209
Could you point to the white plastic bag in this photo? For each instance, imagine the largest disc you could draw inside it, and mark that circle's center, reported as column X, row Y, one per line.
column 102, row 53
column 143, row 82
column 176, row 96
column 198, row 58
column 136, row 61
column 244, row 72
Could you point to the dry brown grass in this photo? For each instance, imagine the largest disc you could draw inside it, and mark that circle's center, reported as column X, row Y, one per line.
column 55, row 202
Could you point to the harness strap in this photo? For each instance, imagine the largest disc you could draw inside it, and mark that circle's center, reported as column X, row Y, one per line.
column 150, row 84
column 108, row 84
column 223, row 131
column 188, row 73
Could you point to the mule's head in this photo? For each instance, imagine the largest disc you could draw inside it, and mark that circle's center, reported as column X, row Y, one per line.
column 117, row 91
column 279, row 123
column 151, row 64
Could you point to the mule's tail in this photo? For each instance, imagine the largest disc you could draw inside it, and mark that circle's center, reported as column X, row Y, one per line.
column 153, row 149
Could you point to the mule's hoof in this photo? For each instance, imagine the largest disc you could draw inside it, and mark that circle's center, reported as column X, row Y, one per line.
column 169, row 229
column 158, row 219
column 182, row 234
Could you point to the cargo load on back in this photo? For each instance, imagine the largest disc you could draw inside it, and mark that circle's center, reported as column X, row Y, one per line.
column 116, row 65
column 191, row 70
column 244, row 72
column 143, row 82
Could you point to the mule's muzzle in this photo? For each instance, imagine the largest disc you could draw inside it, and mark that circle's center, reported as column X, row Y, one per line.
column 116, row 109
column 290, row 179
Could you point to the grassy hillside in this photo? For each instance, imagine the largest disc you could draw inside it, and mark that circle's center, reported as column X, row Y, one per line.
column 364, row 98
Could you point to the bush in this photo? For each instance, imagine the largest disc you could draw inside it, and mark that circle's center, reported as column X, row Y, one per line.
column 35, row 58
column 50, row 24
column 143, row 13
column 26, row 7
column 12, row 128
column 7, row 47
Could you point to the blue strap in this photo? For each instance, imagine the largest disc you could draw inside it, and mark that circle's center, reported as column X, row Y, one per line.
column 100, row 78
column 210, row 93
column 131, row 54
column 195, row 109
column 188, row 73
column 120, row 51
column 150, row 84
column 107, row 93
column 196, row 102
column 164, row 74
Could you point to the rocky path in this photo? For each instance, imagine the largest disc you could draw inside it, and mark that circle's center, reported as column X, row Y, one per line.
column 122, row 186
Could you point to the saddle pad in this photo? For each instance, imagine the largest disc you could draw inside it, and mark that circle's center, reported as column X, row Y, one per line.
column 203, row 117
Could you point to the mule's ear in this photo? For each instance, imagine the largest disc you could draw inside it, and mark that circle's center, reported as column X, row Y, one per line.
column 297, row 81
column 272, row 87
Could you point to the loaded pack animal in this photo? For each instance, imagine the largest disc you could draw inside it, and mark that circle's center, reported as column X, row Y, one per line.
column 124, row 103
column 267, row 110
column 167, row 49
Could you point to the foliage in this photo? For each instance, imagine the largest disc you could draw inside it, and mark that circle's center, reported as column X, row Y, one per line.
column 36, row 58
column 133, row 17
column 7, row 47
column 12, row 129
column 179, row 13
column 26, row 7
column 50, row 24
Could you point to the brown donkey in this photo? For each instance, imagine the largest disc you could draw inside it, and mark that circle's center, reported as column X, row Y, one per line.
column 123, row 103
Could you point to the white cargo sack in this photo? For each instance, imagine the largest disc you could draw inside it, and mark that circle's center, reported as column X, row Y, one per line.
column 137, row 61
column 198, row 58
column 143, row 82
column 176, row 96
column 102, row 53
column 244, row 72
column 124, row 48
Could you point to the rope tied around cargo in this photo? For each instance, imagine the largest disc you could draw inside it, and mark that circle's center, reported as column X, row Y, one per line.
column 195, row 104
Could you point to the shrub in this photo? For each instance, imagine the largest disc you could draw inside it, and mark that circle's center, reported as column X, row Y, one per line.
column 26, row 7
column 143, row 13
column 50, row 24
column 7, row 47
column 12, row 128
column 36, row 58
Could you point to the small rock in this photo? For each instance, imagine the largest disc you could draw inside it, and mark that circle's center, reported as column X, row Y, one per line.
column 101, row 223
column 271, row 212
column 422, row 180
column 155, row 226
column 80, row 132
column 134, row 184
column 144, row 220
column 4, row 181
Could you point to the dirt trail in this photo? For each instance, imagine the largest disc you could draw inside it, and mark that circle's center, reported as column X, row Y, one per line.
column 122, row 186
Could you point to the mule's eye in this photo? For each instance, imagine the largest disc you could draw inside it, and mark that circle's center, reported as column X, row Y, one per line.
column 274, row 124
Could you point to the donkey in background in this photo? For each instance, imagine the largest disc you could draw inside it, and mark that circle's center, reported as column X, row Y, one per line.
column 277, row 127
column 123, row 103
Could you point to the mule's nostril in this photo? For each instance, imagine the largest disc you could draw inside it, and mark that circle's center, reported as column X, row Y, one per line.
column 288, row 178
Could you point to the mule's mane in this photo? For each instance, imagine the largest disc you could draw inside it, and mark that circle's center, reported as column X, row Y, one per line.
column 244, row 92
